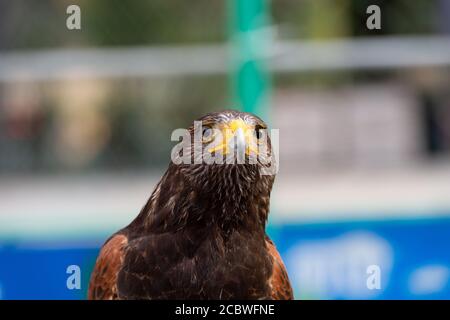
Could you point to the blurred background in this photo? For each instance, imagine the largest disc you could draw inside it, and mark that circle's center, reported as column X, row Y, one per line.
column 364, row 119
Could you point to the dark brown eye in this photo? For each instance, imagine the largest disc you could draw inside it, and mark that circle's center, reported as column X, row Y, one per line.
column 207, row 134
column 259, row 132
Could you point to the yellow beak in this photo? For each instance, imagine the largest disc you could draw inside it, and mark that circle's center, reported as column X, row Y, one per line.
column 236, row 134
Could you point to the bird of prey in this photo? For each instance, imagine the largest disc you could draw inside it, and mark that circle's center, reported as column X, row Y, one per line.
column 201, row 234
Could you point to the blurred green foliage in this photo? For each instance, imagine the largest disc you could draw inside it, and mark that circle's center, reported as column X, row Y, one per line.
column 31, row 24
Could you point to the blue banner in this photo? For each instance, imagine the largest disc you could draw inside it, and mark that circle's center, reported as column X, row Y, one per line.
column 408, row 259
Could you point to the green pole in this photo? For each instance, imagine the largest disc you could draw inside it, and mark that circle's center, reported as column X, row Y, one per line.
column 250, row 38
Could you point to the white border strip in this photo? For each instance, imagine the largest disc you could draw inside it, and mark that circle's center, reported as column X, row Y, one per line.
column 285, row 56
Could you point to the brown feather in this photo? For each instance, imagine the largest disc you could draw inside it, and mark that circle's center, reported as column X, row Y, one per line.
column 103, row 284
column 279, row 280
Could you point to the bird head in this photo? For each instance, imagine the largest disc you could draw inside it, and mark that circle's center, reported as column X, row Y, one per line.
column 228, row 149
column 230, row 140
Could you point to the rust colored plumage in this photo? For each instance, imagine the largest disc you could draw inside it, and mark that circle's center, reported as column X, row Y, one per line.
column 104, row 277
column 279, row 280
column 201, row 234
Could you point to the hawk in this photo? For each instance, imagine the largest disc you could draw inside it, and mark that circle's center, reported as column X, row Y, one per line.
column 201, row 234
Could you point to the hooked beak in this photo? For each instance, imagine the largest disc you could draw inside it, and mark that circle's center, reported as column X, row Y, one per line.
column 236, row 135
column 240, row 141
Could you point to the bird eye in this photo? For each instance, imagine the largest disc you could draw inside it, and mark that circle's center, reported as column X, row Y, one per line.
column 258, row 132
column 207, row 134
